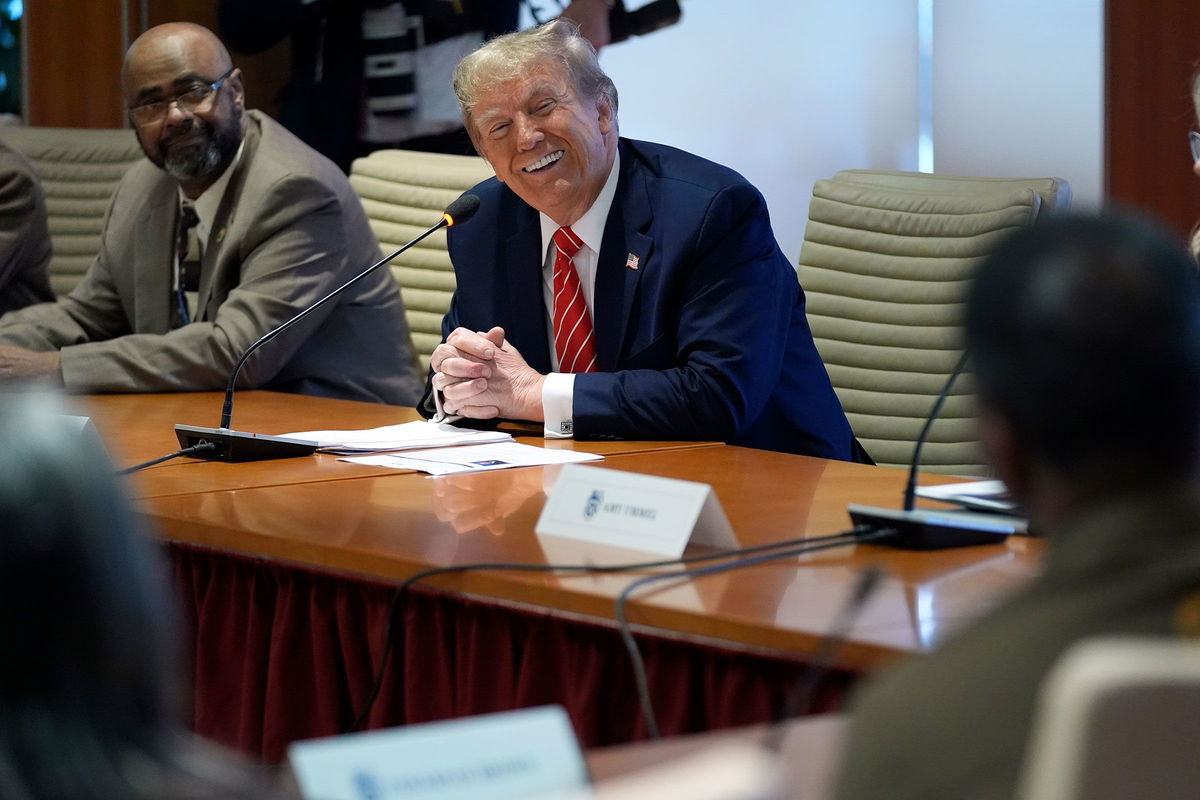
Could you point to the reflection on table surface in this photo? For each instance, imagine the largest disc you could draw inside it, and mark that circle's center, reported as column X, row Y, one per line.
column 808, row 753
column 391, row 526
column 140, row 427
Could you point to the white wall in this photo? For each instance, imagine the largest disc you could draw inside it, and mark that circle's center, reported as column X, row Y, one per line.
column 791, row 91
column 784, row 91
column 1019, row 90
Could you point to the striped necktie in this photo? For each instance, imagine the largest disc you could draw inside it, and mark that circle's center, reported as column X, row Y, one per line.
column 187, row 263
column 574, row 343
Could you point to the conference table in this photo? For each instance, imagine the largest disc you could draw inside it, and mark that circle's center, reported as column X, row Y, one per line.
column 286, row 572
column 807, row 752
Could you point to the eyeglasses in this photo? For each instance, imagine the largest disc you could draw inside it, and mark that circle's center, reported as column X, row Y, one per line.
column 197, row 98
column 1194, row 143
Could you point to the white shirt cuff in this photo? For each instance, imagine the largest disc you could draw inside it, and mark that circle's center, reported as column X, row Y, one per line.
column 439, row 414
column 558, row 394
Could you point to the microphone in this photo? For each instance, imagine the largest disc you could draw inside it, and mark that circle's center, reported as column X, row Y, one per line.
column 231, row 445
column 921, row 529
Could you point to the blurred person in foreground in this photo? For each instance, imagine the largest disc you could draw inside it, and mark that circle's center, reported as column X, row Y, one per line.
column 1085, row 339
column 90, row 700
column 611, row 288
column 230, row 227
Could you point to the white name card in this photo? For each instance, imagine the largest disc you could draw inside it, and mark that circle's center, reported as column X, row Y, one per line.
column 85, row 429
column 634, row 511
column 513, row 754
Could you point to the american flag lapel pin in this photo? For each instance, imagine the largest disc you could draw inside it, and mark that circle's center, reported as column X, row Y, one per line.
column 631, row 261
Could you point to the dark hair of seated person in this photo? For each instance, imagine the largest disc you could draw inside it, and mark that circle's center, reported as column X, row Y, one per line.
column 89, row 694
column 1085, row 338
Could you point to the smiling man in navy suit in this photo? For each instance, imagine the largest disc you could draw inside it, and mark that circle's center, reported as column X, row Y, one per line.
column 611, row 288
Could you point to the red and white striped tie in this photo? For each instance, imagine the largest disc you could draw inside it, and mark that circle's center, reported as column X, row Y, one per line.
column 574, row 343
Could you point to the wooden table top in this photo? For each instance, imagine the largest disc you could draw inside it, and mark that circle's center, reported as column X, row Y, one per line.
column 137, row 428
column 389, row 527
column 808, row 753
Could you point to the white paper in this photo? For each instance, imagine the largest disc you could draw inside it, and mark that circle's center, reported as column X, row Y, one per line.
column 475, row 458
column 976, row 495
column 406, row 436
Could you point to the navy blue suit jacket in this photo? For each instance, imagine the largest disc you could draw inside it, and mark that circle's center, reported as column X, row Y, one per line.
column 706, row 339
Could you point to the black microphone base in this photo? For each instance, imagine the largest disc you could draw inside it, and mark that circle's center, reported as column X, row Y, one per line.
column 241, row 446
column 934, row 530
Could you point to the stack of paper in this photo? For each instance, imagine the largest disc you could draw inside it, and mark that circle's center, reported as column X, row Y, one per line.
column 406, row 436
column 484, row 457
column 975, row 495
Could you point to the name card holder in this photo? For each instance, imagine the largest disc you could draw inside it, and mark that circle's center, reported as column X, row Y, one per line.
column 634, row 511
column 513, row 754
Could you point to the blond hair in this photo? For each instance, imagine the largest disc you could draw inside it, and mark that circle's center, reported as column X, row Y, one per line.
column 508, row 57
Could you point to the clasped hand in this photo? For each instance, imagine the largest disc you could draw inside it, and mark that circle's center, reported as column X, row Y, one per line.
column 482, row 376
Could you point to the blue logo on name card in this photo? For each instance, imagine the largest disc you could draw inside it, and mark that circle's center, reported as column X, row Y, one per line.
column 367, row 786
column 593, row 504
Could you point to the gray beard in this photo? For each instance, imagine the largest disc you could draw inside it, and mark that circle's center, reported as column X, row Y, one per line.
column 208, row 158
column 194, row 163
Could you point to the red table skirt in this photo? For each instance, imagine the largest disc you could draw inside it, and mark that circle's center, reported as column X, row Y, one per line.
column 281, row 653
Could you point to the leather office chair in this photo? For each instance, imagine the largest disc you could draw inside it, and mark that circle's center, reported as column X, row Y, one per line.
column 404, row 192
column 885, row 263
column 1054, row 192
column 1118, row 718
column 79, row 170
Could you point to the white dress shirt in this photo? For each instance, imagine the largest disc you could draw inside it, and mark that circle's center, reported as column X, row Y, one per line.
column 558, row 392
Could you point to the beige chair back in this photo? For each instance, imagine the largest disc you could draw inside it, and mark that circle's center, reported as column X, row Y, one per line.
column 1118, row 718
column 79, row 170
column 885, row 264
column 1054, row 192
column 404, row 193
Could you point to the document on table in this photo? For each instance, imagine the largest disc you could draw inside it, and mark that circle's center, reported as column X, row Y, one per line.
column 975, row 495
column 406, row 436
column 475, row 458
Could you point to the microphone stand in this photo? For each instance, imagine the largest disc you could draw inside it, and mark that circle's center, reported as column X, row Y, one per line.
column 922, row 529
column 231, row 445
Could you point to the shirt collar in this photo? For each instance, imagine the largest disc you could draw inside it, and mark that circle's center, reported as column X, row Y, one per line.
column 208, row 203
column 589, row 227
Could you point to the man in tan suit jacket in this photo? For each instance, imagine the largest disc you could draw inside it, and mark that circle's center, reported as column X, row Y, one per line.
column 24, row 241
column 279, row 225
